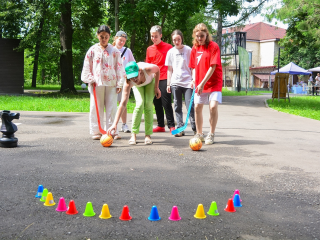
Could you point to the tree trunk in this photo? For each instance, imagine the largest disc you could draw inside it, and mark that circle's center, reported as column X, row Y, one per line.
column 37, row 52
column 116, row 15
column 66, row 31
column 219, row 29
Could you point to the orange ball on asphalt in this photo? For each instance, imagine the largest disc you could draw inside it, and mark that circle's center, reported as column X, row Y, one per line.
column 106, row 140
column 195, row 144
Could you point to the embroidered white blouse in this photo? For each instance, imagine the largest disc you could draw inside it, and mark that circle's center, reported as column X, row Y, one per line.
column 104, row 67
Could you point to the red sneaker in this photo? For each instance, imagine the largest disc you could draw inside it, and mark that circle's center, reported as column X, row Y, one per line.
column 159, row 129
column 172, row 128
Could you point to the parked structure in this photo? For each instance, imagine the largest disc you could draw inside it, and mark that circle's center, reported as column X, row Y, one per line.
column 262, row 45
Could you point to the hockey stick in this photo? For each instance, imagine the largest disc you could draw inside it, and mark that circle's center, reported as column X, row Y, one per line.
column 97, row 110
column 179, row 130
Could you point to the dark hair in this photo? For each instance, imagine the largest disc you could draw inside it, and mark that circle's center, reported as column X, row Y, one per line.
column 103, row 28
column 177, row 32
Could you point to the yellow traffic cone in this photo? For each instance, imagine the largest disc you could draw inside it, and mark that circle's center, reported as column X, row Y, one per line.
column 105, row 213
column 49, row 200
column 200, row 212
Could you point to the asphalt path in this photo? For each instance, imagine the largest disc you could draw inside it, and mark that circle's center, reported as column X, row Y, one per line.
column 271, row 157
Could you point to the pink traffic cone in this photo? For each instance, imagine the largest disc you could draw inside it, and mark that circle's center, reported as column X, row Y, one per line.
column 174, row 214
column 62, row 207
column 236, row 192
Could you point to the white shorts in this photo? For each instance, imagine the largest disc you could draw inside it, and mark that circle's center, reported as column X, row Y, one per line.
column 205, row 98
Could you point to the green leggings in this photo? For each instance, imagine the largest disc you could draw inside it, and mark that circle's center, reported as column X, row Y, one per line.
column 144, row 101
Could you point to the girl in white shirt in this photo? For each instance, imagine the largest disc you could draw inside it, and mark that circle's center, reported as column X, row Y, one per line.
column 119, row 41
column 180, row 78
column 143, row 78
column 103, row 69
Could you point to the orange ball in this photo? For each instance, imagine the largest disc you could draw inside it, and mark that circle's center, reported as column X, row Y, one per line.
column 195, row 144
column 106, row 140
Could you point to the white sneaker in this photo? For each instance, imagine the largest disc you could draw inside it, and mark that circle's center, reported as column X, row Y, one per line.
column 96, row 137
column 200, row 136
column 125, row 128
column 210, row 138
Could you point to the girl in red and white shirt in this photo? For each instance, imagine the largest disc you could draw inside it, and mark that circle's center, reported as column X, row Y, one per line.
column 103, row 69
column 206, row 67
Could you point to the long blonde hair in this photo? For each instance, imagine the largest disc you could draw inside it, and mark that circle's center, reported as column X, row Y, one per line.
column 114, row 40
column 201, row 27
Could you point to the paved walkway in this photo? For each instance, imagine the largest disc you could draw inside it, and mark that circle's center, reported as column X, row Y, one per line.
column 271, row 157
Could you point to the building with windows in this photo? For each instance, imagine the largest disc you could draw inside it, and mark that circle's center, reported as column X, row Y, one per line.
column 262, row 45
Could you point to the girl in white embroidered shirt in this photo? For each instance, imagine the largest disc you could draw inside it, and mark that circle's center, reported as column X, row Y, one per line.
column 103, row 68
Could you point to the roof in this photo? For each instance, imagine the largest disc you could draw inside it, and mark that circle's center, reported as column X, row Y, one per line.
column 259, row 31
column 292, row 68
column 264, row 78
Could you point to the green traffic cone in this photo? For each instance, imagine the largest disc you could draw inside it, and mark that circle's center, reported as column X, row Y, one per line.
column 89, row 210
column 44, row 195
column 213, row 211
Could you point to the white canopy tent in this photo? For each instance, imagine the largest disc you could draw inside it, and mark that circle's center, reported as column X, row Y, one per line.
column 316, row 69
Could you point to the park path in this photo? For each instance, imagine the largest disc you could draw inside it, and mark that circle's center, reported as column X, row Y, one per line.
column 272, row 157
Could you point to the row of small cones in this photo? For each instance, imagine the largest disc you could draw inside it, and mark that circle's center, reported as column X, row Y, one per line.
column 47, row 198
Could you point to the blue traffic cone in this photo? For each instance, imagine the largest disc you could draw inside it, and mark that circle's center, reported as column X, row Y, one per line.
column 39, row 192
column 236, row 201
column 154, row 215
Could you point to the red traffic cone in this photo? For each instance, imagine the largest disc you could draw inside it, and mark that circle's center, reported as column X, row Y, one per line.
column 125, row 216
column 230, row 206
column 72, row 208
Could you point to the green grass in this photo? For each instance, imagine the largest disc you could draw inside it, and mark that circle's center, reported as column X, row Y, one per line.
column 58, row 102
column 226, row 92
column 308, row 106
column 55, row 102
column 48, row 87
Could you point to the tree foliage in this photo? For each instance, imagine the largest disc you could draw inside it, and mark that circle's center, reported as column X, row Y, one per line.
column 301, row 43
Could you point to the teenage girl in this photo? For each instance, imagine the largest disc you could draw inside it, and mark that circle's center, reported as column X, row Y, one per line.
column 119, row 41
column 179, row 80
column 103, row 69
column 143, row 78
column 206, row 64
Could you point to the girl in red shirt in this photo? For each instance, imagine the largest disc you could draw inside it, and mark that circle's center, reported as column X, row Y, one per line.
column 206, row 67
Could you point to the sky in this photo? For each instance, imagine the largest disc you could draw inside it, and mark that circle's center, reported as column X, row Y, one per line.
column 261, row 18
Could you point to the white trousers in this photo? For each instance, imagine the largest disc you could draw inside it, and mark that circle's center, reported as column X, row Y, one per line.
column 106, row 100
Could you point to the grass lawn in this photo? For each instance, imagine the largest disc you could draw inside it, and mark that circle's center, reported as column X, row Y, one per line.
column 226, row 92
column 55, row 102
column 48, row 87
column 307, row 106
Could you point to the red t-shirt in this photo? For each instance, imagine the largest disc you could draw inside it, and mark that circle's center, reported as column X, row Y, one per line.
column 156, row 54
column 201, row 59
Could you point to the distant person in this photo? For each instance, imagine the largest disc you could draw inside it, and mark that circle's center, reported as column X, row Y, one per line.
column 206, row 64
column 179, row 80
column 119, row 41
column 156, row 54
column 310, row 84
column 317, row 79
column 103, row 69
column 143, row 78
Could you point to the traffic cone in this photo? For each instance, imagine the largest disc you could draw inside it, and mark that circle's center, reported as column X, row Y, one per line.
column 72, row 208
column 213, row 211
column 44, row 195
column 236, row 201
column 105, row 213
column 49, row 200
column 174, row 214
column 200, row 212
column 39, row 192
column 230, row 207
column 125, row 215
column 234, row 194
column 62, row 207
column 154, row 215
column 89, row 210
